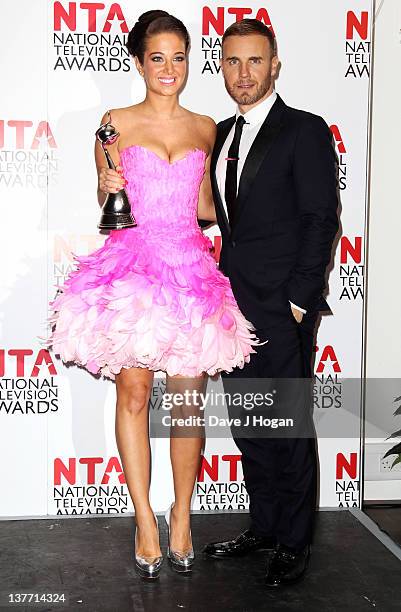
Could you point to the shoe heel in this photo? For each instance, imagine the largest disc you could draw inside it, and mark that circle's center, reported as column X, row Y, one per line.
column 182, row 563
column 148, row 568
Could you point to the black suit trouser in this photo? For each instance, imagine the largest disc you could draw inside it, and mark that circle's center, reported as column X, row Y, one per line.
column 280, row 473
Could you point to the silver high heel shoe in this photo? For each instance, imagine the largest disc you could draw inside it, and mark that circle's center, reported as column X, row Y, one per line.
column 181, row 562
column 148, row 567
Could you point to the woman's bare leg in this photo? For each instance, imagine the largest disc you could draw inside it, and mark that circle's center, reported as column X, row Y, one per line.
column 134, row 386
column 186, row 444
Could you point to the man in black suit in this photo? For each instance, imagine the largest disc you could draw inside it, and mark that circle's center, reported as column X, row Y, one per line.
column 275, row 188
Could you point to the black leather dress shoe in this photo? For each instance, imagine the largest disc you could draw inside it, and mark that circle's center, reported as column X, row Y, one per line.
column 247, row 542
column 287, row 566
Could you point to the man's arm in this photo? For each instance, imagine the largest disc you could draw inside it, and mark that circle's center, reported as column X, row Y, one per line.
column 315, row 177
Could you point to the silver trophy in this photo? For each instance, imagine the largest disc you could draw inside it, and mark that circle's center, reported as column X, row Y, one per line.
column 116, row 210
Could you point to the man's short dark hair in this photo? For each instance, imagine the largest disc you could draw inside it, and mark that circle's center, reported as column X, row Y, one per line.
column 245, row 27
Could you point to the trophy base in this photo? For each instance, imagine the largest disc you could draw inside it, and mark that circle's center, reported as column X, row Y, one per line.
column 111, row 222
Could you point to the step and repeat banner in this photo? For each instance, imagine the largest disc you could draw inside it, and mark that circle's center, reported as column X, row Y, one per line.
column 64, row 65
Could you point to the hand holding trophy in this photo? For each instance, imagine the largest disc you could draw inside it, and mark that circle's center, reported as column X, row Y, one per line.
column 116, row 210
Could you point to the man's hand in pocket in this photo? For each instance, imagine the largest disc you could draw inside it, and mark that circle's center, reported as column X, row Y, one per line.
column 298, row 315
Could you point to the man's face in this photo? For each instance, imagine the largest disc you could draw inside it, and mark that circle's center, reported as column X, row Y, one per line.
column 249, row 68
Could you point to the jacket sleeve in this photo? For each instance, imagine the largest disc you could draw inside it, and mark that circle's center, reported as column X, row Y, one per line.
column 315, row 179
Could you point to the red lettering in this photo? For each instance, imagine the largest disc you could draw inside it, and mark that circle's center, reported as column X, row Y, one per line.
column 92, row 8
column 43, row 129
column 20, row 354
column 338, row 138
column 113, row 464
column 328, row 353
column 233, row 461
column 115, row 11
column 354, row 250
column 69, row 473
column 60, row 469
column 211, row 470
column 43, row 357
column 91, row 463
column 350, row 466
column 263, row 15
column 216, row 21
column 239, row 12
column 208, row 19
column 69, row 17
column 19, row 131
column 360, row 25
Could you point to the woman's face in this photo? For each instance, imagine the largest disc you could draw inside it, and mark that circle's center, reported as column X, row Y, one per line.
column 164, row 65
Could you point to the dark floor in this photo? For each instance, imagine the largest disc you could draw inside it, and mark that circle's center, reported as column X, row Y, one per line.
column 91, row 561
column 388, row 519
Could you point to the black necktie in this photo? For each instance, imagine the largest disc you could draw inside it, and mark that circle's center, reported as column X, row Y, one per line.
column 230, row 192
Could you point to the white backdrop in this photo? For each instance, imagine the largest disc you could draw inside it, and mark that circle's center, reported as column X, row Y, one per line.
column 63, row 66
column 384, row 295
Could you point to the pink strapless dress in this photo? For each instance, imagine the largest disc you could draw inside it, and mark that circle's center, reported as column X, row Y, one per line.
column 152, row 296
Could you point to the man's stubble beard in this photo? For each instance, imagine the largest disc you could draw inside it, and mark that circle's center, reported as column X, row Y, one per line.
column 245, row 98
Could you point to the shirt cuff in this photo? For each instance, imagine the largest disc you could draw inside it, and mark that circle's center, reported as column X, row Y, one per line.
column 297, row 307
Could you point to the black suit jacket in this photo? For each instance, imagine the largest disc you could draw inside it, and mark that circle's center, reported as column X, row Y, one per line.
column 286, row 216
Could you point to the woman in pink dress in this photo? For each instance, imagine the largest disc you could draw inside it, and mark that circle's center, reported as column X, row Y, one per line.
column 152, row 297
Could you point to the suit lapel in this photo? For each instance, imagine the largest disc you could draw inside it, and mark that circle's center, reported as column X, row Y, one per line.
column 260, row 148
column 222, row 133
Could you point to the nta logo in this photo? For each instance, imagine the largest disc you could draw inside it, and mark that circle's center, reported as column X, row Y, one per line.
column 20, row 136
column 94, row 13
column 69, row 472
column 43, row 358
column 347, row 487
column 351, row 268
column 357, row 45
column 212, row 469
column 217, row 20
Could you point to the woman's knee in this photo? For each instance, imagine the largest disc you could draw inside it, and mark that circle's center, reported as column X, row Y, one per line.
column 133, row 398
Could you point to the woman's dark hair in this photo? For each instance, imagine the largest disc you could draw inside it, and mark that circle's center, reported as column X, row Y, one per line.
column 153, row 22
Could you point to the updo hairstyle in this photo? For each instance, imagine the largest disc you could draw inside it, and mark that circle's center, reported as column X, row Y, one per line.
column 150, row 23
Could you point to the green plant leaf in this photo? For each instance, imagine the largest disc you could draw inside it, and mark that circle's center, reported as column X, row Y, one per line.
column 398, row 411
column 397, row 399
column 396, row 460
column 393, row 451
